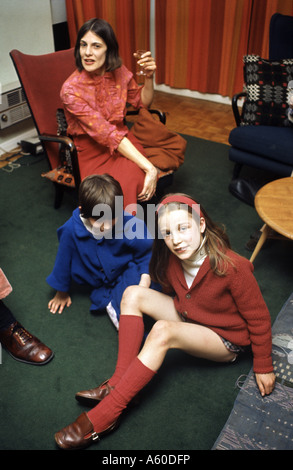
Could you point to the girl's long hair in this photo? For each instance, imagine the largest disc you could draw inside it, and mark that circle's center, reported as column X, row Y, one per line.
column 216, row 245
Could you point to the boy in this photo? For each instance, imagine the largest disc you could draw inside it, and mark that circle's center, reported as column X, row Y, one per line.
column 101, row 251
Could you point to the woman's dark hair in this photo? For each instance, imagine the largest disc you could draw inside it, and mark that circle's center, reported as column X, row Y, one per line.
column 104, row 30
column 217, row 243
column 95, row 190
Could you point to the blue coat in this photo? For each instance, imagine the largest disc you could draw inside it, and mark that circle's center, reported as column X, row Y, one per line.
column 107, row 265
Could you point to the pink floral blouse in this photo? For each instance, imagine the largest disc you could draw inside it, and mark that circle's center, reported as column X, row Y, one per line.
column 96, row 105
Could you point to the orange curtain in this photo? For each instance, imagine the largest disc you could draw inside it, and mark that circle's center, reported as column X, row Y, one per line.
column 130, row 19
column 200, row 43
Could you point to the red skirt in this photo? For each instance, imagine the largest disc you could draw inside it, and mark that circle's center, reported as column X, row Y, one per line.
column 95, row 159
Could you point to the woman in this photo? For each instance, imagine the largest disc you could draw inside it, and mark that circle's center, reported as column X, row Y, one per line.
column 95, row 98
column 213, row 309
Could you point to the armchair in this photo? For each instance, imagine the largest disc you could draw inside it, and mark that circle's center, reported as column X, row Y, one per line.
column 41, row 78
column 263, row 137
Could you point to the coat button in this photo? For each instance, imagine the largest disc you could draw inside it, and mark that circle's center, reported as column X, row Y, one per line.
column 184, row 314
column 188, row 296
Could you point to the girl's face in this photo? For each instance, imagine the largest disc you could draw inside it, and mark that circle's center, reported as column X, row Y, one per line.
column 181, row 232
column 93, row 53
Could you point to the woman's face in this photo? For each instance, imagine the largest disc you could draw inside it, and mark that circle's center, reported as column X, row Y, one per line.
column 181, row 232
column 93, row 53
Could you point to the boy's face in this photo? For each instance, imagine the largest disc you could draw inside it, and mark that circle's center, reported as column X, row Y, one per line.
column 101, row 226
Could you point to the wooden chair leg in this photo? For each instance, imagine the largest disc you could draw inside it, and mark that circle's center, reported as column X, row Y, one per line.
column 265, row 232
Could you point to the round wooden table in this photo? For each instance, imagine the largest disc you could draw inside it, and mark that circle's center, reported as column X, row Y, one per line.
column 274, row 205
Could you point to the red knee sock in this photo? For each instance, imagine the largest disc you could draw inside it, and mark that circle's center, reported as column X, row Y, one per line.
column 110, row 408
column 131, row 329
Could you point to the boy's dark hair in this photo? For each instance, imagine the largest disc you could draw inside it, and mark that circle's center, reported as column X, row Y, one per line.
column 98, row 189
column 103, row 29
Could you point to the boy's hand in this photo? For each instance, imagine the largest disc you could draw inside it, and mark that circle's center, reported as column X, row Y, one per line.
column 61, row 300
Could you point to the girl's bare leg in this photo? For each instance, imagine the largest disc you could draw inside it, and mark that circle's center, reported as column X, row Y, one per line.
column 139, row 300
column 194, row 339
column 169, row 331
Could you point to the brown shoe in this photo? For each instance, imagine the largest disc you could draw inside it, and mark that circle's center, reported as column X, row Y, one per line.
column 23, row 346
column 93, row 396
column 80, row 434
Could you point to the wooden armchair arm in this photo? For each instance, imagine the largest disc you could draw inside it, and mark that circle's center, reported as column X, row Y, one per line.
column 59, row 139
column 68, row 142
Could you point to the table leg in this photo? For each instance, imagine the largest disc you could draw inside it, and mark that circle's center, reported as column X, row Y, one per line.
column 263, row 237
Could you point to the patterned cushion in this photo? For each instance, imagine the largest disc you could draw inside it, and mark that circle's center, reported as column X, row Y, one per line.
column 266, row 83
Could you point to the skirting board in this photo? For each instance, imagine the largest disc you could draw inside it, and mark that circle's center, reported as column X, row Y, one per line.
column 12, row 143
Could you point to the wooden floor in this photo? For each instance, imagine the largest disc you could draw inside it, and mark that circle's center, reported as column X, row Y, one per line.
column 200, row 118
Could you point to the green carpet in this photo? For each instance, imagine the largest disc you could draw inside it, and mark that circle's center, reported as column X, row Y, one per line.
column 187, row 404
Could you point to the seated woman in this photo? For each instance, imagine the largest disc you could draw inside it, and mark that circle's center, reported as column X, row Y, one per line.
column 94, row 99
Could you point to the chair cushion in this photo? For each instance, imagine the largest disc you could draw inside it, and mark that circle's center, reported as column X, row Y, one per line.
column 257, row 161
column 266, row 83
column 275, row 143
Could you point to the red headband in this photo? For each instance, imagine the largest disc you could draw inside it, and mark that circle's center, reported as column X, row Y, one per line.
column 181, row 199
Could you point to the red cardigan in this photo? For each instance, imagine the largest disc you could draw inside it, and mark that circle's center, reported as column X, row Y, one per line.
column 231, row 305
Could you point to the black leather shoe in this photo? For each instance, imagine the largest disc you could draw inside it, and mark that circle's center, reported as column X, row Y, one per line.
column 23, row 346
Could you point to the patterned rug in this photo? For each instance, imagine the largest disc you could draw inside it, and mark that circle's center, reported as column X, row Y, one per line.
column 9, row 157
column 257, row 423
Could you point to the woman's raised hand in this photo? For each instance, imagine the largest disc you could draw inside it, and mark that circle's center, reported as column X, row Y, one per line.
column 147, row 62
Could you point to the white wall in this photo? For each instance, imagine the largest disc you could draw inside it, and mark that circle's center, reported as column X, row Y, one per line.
column 27, row 26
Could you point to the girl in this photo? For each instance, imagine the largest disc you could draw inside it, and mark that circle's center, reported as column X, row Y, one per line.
column 212, row 308
column 95, row 98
